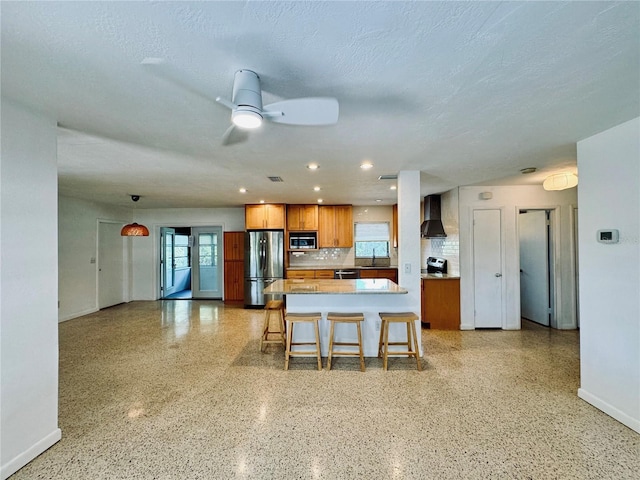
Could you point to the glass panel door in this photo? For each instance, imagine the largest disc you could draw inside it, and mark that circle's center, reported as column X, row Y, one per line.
column 207, row 262
column 167, row 261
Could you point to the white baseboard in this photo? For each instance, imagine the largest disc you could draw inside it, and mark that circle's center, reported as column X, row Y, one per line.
column 16, row 463
column 632, row 423
column 77, row 314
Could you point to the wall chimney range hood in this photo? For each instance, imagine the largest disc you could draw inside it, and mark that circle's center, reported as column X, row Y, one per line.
column 432, row 225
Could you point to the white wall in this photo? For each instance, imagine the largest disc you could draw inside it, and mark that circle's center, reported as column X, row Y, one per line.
column 510, row 200
column 146, row 250
column 409, row 240
column 77, row 246
column 609, row 191
column 28, row 287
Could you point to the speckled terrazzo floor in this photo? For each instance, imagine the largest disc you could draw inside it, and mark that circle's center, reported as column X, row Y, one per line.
column 179, row 390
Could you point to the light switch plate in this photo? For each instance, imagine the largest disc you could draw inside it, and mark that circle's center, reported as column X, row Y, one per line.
column 407, row 268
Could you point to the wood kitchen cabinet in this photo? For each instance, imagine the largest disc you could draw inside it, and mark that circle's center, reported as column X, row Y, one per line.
column 335, row 226
column 233, row 246
column 306, row 274
column 302, row 218
column 441, row 303
column 264, row 216
column 389, row 273
column 301, row 274
column 233, row 266
column 394, row 226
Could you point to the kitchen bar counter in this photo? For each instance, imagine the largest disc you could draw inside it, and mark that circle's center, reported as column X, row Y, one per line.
column 366, row 296
column 366, row 286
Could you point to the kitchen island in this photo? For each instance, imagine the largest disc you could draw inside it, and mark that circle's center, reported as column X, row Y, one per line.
column 369, row 296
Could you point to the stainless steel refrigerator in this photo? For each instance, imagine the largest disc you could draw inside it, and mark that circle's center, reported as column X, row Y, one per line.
column 263, row 264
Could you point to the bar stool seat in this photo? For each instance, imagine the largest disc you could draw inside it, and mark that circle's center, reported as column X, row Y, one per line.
column 412, row 338
column 273, row 307
column 357, row 318
column 293, row 319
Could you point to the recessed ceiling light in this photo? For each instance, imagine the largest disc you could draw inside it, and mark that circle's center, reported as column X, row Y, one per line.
column 313, row 166
column 366, row 165
column 243, row 190
column 261, row 201
column 320, row 201
column 316, row 189
column 393, row 187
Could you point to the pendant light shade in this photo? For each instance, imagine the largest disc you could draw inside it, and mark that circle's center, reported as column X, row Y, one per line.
column 134, row 230
column 560, row 181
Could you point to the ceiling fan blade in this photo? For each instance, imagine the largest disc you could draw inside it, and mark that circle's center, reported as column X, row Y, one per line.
column 303, row 111
column 234, row 135
column 162, row 69
column 226, row 103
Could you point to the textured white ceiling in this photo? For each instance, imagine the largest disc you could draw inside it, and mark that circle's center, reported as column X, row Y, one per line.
column 465, row 92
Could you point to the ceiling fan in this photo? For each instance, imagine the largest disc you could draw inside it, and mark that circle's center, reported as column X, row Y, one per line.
column 247, row 111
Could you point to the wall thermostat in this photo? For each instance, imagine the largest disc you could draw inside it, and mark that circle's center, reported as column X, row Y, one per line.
column 608, row 236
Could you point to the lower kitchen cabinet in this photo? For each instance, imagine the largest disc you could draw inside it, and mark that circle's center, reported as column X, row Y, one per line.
column 441, row 303
column 389, row 273
column 233, row 281
column 302, row 274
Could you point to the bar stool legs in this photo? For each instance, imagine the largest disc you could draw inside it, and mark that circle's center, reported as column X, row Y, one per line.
column 294, row 318
column 273, row 307
column 412, row 338
column 356, row 318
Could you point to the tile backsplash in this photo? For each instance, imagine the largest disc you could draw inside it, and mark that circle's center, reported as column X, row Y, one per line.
column 322, row 256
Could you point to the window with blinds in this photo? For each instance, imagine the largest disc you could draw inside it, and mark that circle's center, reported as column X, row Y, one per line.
column 372, row 239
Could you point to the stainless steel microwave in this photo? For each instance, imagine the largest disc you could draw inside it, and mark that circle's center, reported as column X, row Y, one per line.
column 303, row 241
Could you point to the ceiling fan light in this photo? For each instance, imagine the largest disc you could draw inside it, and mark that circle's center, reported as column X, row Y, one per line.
column 246, row 119
column 560, row 181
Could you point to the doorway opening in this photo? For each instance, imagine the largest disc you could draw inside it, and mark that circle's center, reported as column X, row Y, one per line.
column 190, row 263
column 537, row 260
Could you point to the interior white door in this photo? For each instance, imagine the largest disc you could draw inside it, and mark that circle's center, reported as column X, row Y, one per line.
column 206, row 265
column 487, row 268
column 167, row 260
column 110, row 265
column 534, row 266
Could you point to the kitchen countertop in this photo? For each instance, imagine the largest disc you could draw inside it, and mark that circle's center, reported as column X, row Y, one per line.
column 333, row 287
column 340, row 267
column 439, row 276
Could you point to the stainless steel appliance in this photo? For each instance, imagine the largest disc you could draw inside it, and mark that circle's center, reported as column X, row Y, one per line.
column 346, row 274
column 303, row 241
column 263, row 264
column 436, row 265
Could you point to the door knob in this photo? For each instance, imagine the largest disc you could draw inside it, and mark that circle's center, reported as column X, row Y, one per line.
column 498, row 274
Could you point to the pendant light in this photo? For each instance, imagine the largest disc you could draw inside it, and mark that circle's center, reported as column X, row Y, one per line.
column 134, row 229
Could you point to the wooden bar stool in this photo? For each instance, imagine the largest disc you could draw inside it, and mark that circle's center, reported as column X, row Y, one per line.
column 273, row 307
column 356, row 318
column 412, row 338
column 294, row 318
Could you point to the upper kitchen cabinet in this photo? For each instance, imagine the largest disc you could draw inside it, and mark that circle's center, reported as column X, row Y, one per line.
column 233, row 246
column 335, row 226
column 394, row 225
column 302, row 218
column 264, row 216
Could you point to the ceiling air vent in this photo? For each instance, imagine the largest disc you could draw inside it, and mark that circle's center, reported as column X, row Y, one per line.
column 276, row 179
column 388, row 177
